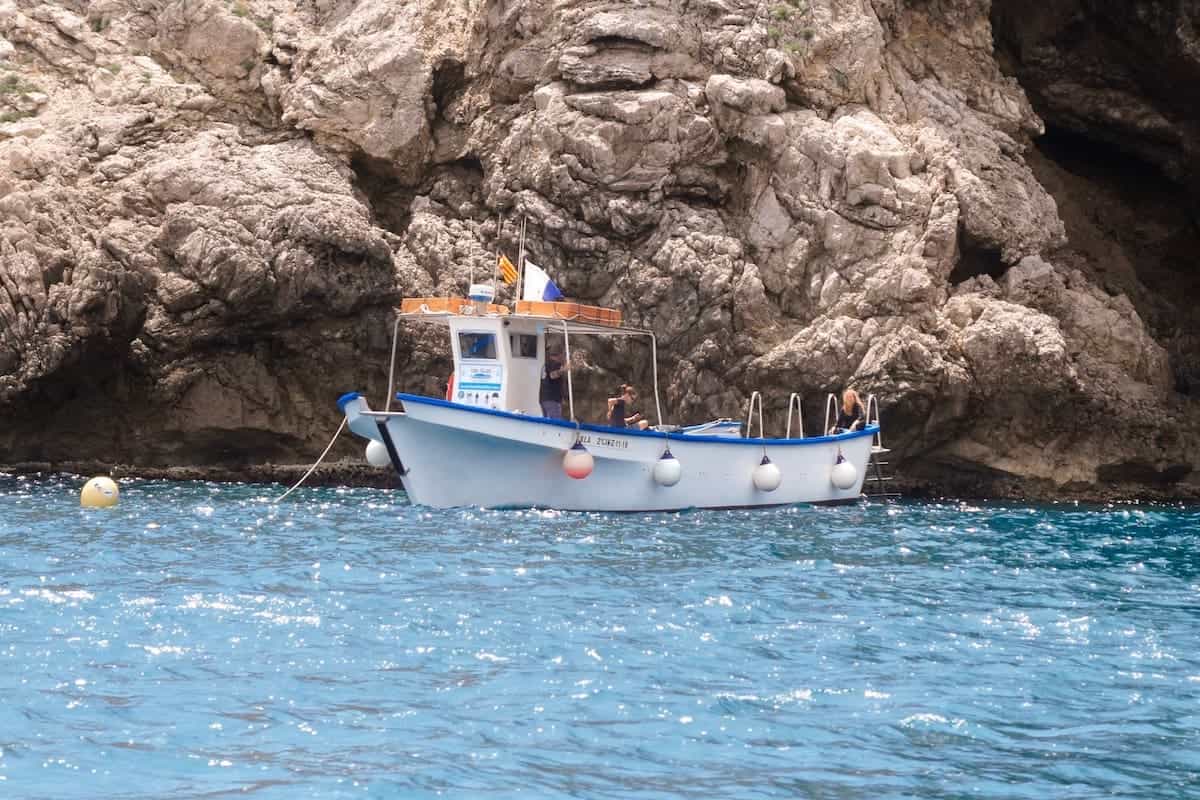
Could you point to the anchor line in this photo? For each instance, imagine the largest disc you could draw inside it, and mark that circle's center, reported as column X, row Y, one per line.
column 328, row 447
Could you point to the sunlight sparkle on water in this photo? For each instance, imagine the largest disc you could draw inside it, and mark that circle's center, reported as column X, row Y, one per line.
column 345, row 644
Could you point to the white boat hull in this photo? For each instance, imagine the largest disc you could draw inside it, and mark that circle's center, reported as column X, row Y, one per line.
column 454, row 455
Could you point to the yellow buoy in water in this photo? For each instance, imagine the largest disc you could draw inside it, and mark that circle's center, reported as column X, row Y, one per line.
column 99, row 493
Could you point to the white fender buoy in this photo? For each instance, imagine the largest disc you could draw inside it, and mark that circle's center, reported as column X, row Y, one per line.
column 578, row 462
column 377, row 454
column 667, row 470
column 767, row 476
column 844, row 474
column 99, row 493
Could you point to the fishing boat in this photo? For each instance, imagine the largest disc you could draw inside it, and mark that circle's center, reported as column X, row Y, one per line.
column 487, row 444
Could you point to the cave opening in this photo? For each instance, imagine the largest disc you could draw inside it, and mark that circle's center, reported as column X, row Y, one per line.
column 1096, row 158
column 1126, row 191
column 1134, row 231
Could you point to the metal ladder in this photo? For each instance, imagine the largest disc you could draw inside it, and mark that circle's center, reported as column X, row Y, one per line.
column 876, row 483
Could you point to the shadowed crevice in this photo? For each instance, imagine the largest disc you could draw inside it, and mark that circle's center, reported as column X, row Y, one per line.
column 449, row 82
column 389, row 199
column 976, row 260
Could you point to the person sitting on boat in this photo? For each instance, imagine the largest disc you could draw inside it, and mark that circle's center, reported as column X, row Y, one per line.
column 619, row 406
column 550, row 393
column 851, row 416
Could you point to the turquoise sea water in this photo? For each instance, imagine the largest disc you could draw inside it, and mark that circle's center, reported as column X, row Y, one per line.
column 199, row 641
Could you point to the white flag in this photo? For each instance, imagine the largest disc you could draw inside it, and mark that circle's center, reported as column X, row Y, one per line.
column 538, row 285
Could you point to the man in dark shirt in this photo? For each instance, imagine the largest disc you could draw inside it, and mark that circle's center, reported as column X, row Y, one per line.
column 619, row 406
column 550, row 394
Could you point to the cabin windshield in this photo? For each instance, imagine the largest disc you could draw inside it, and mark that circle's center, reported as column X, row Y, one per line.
column 477, row 345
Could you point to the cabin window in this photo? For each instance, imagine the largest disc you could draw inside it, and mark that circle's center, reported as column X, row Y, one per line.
column 524, row 345
column 477, row 345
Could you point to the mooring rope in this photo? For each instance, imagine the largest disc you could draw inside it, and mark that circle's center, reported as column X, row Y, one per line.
column 328, row 447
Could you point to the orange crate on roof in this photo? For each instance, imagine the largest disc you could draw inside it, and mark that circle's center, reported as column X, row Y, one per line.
column 446, row 305
column 601, row 315
column 576, row 312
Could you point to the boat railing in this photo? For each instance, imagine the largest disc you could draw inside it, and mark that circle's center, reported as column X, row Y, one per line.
column 794, row 402
column 873, row 419
column 831, row 412
column 750, row 416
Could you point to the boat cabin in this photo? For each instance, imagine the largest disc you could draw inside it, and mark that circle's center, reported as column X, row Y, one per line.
column 498, row 355
column 497, row 362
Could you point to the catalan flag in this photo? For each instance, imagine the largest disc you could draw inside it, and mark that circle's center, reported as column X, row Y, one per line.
column 508, row 273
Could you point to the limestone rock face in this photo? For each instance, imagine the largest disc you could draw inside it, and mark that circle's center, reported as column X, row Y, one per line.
column 361, row 87
column 210, row 207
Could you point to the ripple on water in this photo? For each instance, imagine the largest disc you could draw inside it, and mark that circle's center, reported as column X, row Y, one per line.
column 210, row 642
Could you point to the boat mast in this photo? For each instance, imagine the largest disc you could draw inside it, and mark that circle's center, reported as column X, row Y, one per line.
column 496, row 260
column 521, row 261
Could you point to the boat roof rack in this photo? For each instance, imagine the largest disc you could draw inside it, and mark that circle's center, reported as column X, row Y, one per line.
column 575, row 317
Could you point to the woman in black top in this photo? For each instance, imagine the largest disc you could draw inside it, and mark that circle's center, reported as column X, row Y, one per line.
column 618, row 407
column 851, row 416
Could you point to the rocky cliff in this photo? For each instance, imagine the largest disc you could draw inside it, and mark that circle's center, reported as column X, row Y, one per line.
column 985, row 216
